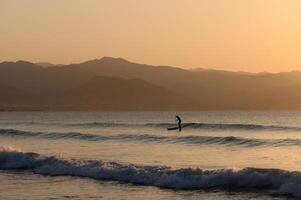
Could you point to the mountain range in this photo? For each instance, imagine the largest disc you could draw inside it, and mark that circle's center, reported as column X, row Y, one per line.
column 117, row 84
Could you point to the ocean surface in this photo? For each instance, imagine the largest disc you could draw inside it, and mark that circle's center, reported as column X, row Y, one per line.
column 131, row 155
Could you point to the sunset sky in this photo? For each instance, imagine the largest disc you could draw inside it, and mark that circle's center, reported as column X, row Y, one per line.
column 239, row 35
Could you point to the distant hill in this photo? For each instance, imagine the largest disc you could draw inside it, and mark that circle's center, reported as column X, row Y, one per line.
column 26, row 86
column 117, row 84
column 123, row 94
column 36, row 79
column 47, row 64
column 210, row 89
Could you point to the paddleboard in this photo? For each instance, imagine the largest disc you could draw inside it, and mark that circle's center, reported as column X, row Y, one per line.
column 172, row 128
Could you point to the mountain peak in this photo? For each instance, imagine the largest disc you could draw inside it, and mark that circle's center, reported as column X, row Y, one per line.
column 23, row 62
column 107, row 59
column 47, row 64
column 112, row 59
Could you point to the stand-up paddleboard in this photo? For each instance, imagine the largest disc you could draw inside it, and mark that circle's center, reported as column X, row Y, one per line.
column 172, row 128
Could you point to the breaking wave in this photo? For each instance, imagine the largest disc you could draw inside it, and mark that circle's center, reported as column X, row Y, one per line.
column 189, row 140
column 276, row 181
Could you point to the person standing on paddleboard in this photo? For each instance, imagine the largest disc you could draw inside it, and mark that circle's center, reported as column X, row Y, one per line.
column 178, row 119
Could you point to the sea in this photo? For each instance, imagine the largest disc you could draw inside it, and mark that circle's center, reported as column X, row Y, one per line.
column 131, row 155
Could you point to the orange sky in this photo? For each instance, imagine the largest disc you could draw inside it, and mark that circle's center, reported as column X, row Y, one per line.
column 248, row 35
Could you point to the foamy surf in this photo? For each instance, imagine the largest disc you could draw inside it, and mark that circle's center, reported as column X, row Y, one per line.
column 273, row 181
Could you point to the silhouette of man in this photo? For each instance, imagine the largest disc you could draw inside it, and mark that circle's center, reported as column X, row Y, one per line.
column 178, row 119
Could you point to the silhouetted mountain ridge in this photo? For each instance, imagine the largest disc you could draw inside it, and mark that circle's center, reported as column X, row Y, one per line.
column 117, row 84
column 117, row 93
column 47, row 64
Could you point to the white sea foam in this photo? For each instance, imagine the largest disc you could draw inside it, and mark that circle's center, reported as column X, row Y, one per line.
column 271, row 180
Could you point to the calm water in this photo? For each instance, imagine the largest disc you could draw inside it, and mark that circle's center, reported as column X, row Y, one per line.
column 131, row 155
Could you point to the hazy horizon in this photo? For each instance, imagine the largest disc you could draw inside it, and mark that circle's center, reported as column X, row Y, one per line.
column 251, row 36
